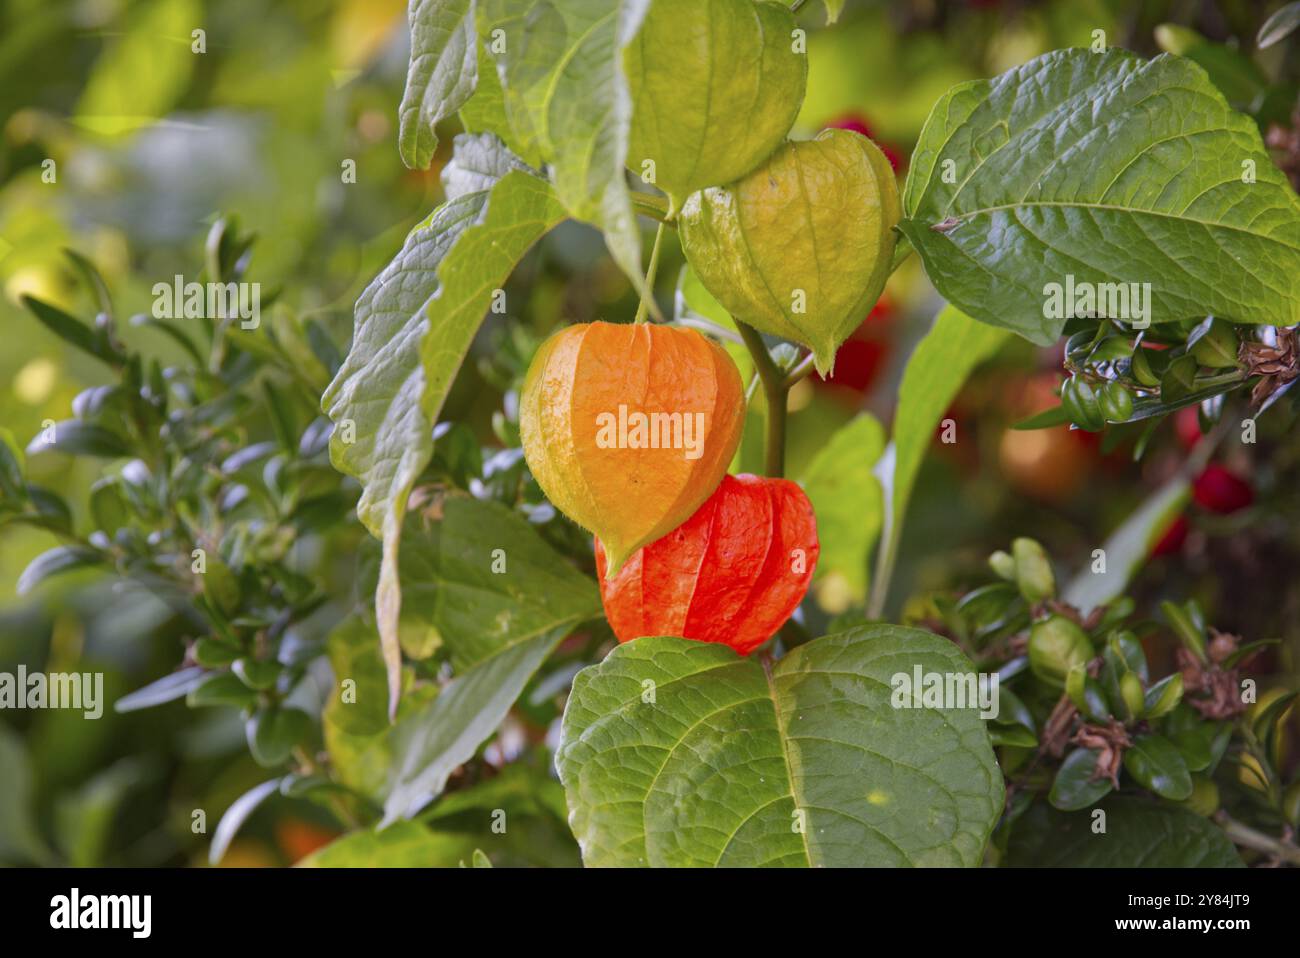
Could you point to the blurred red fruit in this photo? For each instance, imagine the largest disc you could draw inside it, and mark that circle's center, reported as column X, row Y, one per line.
column 862, row 356
column 1187, row 425
column 858, row 124
column 1220, row 491
column 1173, row 539
column 857, row 363
column 298, row 838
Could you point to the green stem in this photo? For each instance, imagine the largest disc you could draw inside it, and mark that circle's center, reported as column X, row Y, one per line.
column 647, row 298
column 655, row 207
column 800, row 371
column 774, row 389
column 1247, row 837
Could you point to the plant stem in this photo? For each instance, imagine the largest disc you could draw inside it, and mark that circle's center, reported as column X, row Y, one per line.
column 655, row 207
column 1247, row 837
column 774, row 389
column 800, row 371
column 648, row 297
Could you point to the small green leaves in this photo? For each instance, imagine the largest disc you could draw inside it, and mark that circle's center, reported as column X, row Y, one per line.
column 1020, row 183
column 1138, row 834
column 802, row 246
column 1214, row 344
column 1057, row 645
column 682, row 753
column 1279, row 26
column 1155, row 764
column 715, row 85
column 53, row 562
column 238, row 812
column 1077, row 784
column 273, row 732
column 1033, row 571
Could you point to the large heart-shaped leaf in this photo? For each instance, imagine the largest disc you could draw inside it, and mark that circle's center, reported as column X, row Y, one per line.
column 683, row 753
column 1137, row 834
column 1110, row 169
column 414, row 325
column 560, row 63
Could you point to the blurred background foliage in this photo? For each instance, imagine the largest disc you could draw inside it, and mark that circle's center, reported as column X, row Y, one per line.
column 152, row 143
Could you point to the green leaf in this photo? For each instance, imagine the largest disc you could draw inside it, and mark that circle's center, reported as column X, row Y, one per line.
column 950, row 351
column 441, row 76
column 1044, row 184
column 485, row 112
column 72, row 330
column 434, row 740
column 1074, row 787
column 567, row 100
column 715, row 87
column 847, row 500
column 355, row 722
column 20, row 838
column 84, row 819
column 236, row 815
column 478, row 162
column 404, row 845
column 222, row 688
column 12, row 463
column 1138, row 834
column 1279, row 26
column 414, row 325
column 53, row 562
column 1156, row 764
column 675, row 752
column 273, row 732
column 1233, row 71
column 1129, row 546
column 78, row 438
column 483, row 579
column 120, row 95
column 169, row 688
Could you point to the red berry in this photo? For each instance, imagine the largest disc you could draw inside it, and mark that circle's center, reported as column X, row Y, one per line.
column 731, row 573
column 1173, row 539
column 857, row 362
column 1187, row 425
column 1221, row 491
